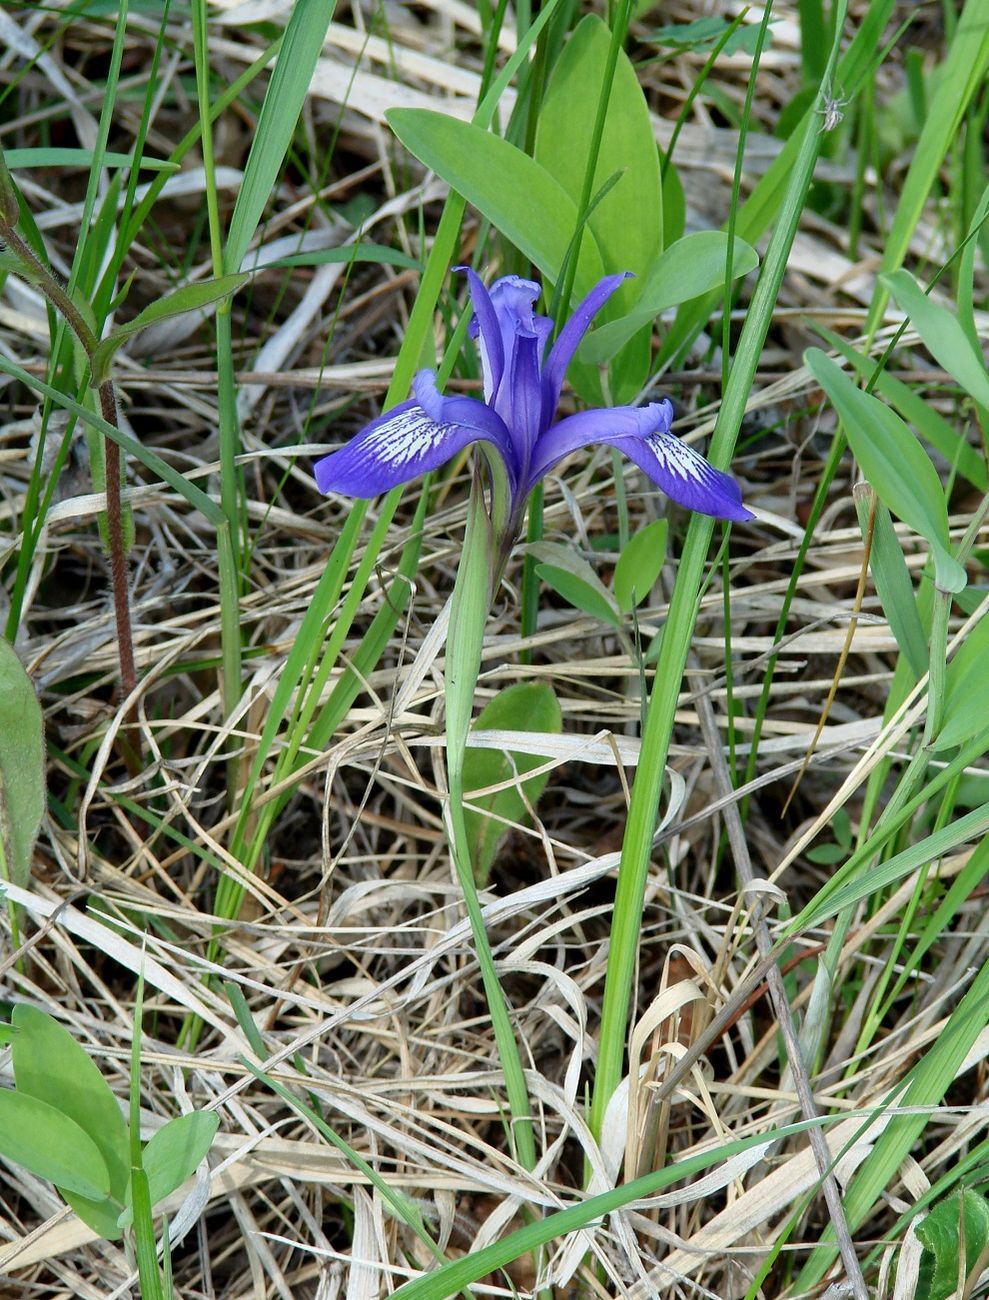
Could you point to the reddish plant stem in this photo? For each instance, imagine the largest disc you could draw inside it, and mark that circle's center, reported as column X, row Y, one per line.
column 115, row 536
column 63, row 304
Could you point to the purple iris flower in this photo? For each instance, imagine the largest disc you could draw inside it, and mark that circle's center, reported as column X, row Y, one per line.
column 515, row 420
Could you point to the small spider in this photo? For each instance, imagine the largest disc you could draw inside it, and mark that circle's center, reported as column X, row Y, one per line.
column 831, row 110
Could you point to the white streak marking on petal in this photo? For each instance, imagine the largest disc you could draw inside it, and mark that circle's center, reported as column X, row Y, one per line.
column 406, row 438
column 681, row 460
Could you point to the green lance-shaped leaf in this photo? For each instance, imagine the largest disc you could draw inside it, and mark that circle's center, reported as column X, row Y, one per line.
column 191, row 297
column 52, row 156
column 517, row 195
column 894, row 463
column 47, row 1142
column 527, row 706
column 966, row 690
column 933, row 428
column 305, row 33
column 174, row 1153
column 693, row 266
column 52, row 1067
column 590, row 598
column 639, row 564
column 567, row 119
column 895, row 586
column 571, row 577
column 704, row 34
column 941, row 1233
column 22, row 767
column 943, row 335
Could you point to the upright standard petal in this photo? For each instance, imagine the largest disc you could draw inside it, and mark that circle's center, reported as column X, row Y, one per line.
column 522, row 406
column 513, row 299
column 484, row 327
column 561, row 354
column 643, row 435
column 410, row 440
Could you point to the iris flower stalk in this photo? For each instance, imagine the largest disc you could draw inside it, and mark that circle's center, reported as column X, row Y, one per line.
column 515, row 426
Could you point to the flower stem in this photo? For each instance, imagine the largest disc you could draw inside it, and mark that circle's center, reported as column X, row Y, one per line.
column 471, row 603
column 40, row 275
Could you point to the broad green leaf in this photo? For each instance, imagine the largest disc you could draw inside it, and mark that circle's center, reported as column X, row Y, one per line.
column 47, row 1142
column 581, row 586
column 692, row 266
column 52, row 1067
column 516, row 194
column 674, row 205
column 302, row 42
column 22, row 768
column 943, row 335
column 174, row 1153
column 639, row 564
column 566, row 123
column 966, row 691
column 895, row 589
column 580, row 594
column 528, row 706
column 191, row 297
column 828, row 855
column 627, row 150
column 931, row 426
column 894, row 463
column 941, row 1234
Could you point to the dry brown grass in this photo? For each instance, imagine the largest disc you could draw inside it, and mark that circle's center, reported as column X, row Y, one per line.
column 352, row 952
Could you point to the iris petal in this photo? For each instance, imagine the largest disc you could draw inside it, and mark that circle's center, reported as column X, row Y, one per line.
column 468, row 412
column 643, row 435
column 485, row 327
column 685, row 476
column 513, row 299
column 571, row 335
column 403, row 444
column 521, row 388
column 522, row 407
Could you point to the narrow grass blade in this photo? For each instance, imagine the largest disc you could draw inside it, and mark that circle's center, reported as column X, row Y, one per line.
column 302, row 41
column 926, row 1085
column 963, row 73
column 677, row 634
column 449, row 1279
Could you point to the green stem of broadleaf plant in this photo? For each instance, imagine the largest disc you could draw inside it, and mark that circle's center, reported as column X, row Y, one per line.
column 40, row 275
